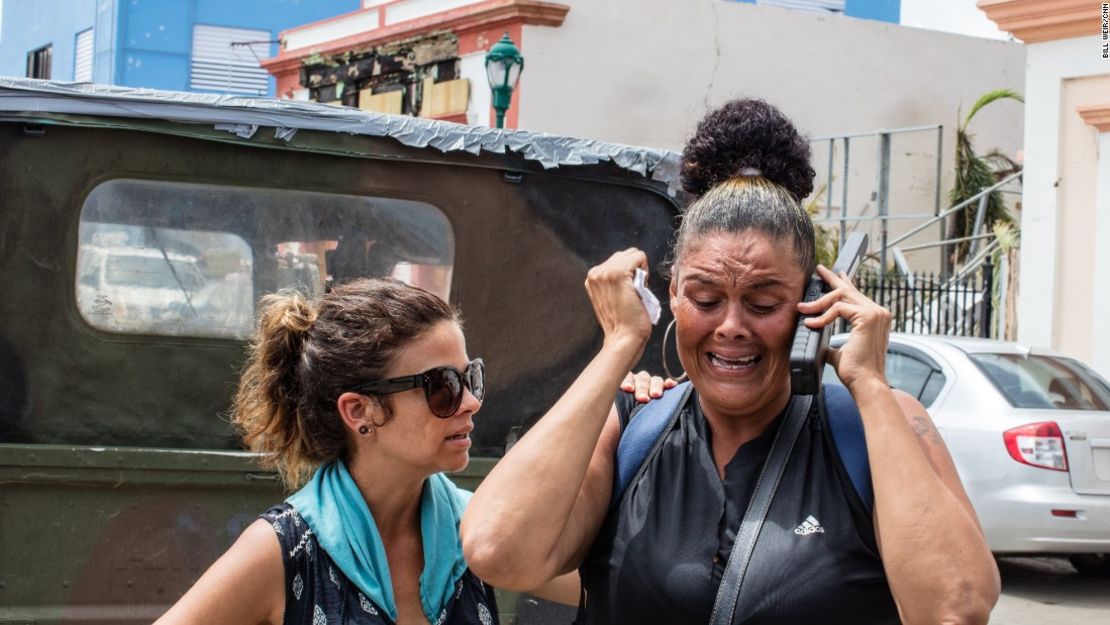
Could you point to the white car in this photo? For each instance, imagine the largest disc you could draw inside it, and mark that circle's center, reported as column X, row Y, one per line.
column 1029, row 431
column 130, row 288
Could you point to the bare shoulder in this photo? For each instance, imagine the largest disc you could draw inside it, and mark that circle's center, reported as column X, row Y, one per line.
column 259, row 545
column 245, row 585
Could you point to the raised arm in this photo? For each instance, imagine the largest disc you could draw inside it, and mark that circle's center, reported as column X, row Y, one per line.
column 535, row 514
column 936, row 559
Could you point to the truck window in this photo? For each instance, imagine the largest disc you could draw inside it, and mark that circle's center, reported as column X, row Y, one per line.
column 183, row 259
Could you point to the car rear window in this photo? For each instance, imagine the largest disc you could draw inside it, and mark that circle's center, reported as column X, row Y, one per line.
column 1046, row 382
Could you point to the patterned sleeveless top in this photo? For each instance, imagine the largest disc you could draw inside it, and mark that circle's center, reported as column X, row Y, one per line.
column 318, row 593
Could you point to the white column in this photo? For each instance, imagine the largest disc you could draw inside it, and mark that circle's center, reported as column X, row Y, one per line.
column 1037, row 282
column 1048, row 64
column 1101, row 267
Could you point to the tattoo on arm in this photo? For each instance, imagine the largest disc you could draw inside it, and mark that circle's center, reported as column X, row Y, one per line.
column 925, row 429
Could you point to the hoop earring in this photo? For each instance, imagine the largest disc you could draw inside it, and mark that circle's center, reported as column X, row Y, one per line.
column 667, row 369
column 362, row 429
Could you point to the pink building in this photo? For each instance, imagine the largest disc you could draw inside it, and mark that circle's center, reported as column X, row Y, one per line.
column 415, row 57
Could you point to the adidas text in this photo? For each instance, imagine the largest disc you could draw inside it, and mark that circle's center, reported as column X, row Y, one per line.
column 809, row 526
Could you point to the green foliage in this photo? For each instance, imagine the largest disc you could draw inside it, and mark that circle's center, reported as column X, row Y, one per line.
column 1007, row 236
column 827, row 239
column 975, row 173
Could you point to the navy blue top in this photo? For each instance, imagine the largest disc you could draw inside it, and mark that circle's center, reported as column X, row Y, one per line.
column 318, row 593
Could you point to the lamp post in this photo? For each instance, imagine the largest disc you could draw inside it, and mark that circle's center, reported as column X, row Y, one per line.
column 503, row 66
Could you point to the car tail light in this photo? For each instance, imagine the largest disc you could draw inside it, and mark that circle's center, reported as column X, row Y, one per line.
column 1037, row 445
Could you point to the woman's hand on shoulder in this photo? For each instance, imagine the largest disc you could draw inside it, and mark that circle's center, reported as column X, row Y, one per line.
column 618, row 308
column 862, row 359
column 245, row 585
column 645, row 386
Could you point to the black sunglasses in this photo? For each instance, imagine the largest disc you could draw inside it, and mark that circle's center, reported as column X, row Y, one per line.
column 443, row 386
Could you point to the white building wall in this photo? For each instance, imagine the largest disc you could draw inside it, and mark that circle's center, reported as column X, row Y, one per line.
column 413, row 9
column 1049, row 64
column 644, row 71
column 473, row 68
column 1101, row 304
column 330, row 30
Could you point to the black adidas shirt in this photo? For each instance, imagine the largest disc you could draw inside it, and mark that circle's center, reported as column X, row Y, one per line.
column 660, row 555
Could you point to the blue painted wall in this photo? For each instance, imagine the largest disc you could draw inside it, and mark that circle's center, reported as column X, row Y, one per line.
column 141, row 43
column 881, row 10
column 31, row 24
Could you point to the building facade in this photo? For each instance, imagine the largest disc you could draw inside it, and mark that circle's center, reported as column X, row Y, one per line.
column 642, row 72
column 184, row 45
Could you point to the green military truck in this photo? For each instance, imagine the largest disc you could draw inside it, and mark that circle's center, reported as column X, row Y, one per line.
column 139, row 228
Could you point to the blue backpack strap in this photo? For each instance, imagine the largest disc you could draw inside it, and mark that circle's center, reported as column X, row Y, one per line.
column 643, row 434
column 846, row 426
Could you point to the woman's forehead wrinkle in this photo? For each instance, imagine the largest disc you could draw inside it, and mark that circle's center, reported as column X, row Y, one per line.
column 734, row 273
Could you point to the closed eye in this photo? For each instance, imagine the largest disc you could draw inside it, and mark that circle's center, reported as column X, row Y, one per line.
column 761, row 308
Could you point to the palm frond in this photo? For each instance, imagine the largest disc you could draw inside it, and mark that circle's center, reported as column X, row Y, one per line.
column 1001, row 164
column 989, row 97
column 974, row 173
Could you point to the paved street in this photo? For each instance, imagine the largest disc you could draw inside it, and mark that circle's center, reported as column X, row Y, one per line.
column 1046, row 591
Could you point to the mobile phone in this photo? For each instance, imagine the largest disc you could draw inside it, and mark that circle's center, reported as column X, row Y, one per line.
column 811, row 347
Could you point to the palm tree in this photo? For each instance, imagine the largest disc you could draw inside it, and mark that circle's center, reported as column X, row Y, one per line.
column 975, row 173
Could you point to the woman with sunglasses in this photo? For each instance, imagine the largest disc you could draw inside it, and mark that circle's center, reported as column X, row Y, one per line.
column 362, row 400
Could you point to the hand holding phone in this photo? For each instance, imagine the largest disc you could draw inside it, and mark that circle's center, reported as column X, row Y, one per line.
column 810, row 347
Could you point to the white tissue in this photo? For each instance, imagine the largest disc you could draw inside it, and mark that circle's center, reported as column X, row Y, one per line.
column 651, row 303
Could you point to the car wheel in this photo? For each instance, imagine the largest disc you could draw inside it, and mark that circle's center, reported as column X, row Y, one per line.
column 1092, row 564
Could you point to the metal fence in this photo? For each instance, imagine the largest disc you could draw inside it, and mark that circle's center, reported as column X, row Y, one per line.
column 925, row 303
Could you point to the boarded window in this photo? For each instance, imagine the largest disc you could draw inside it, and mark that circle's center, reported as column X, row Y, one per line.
column 227, row 60
column 38, row 62
column 177, row 259
column 83, row 57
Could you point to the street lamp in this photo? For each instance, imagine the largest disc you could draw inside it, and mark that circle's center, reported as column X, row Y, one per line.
column 503, row 66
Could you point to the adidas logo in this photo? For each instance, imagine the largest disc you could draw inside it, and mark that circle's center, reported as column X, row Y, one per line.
column 809, row 526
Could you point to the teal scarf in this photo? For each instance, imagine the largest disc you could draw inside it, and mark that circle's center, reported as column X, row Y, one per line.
column 333, row 507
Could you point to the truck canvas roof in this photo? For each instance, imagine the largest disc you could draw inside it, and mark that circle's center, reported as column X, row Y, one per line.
column 245, row 117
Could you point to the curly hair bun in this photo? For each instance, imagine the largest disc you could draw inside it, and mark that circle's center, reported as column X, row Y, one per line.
column 744, row 135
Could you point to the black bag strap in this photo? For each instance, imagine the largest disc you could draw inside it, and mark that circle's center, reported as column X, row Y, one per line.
column 728, row 595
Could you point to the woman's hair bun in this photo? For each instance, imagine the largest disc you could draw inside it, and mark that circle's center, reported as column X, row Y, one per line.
column 742, row 135
column 285, row 318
